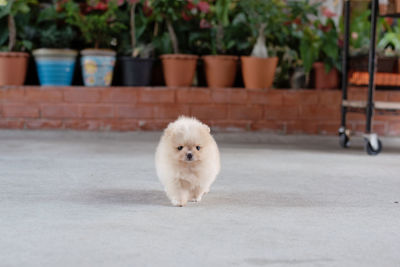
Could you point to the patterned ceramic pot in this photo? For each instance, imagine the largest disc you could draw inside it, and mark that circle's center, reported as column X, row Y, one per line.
column 97, row 67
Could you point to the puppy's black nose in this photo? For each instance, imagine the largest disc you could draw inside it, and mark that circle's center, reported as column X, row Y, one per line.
column 189, row 156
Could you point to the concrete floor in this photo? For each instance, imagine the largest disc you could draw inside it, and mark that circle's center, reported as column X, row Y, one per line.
column 93, row 199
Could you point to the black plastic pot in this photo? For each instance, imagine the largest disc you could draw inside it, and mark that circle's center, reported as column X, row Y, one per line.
column 135, row 71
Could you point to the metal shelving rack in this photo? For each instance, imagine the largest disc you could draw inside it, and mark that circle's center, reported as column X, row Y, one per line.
column 373, row 145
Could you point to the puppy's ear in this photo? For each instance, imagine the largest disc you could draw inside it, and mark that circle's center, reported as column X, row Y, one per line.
column 207, row 128
column 168, row 131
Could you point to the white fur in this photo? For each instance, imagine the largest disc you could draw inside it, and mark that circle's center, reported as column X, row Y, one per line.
column 187, row 180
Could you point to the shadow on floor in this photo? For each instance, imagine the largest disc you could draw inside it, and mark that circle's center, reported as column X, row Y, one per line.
column 126, row 197
column 121, row 197
column 263, row 262
column 329, row 147
column 260, row 199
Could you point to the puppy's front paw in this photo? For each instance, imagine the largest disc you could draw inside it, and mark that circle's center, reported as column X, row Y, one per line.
column 195, row 199
column 178, row 203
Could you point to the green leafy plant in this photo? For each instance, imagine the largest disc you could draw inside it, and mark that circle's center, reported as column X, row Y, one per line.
column 51, row 30
column 310, row 46
column 220, row 15
column 313, row 40
column 320, row 43
column 329, row 52
column 10, row 9
column 265, row 19
column 224, row 26
column 138, row 30
column 388, row 33
column 169, row 11
column 389, row 43
column 195, row 34
column 302, row 35
column 96, row 21
column 132, row 10
column 360, row 28
column 138, row 41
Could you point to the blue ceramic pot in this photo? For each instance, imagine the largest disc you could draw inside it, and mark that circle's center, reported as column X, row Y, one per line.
column 97, row 67
column 55, row 67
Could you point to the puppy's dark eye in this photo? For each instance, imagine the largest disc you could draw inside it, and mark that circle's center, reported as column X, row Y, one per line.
column 180, row 147
column 198, row 147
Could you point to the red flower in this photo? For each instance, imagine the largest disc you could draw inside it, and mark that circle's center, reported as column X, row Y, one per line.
column 60, row 5
column 119, row 2
column 203, row 7
column 204, row 24
column 340, row 42
column 100, row 6
column 389, row 21
column 326, row 28
column 327, row 13
column 287, row 23
column 190, row 5
column 186, row 16
column 297, row 21
column 96, row 5
column 147, row 10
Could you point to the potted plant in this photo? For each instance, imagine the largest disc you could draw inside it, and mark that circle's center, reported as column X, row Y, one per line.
column 220, row 69
column 263, row 17
column 387, row 47
column 179, row 69
column 54, row 60
column 13, row 64
column 318, row 45
column 135, row 67
column 323, row 57
column 326, row 74
column 291, row 72
column 99, row 26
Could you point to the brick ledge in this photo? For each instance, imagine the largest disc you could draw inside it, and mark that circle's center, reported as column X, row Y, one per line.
column 151, row 108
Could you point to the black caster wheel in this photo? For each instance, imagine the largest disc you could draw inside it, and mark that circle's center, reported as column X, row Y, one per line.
column 344, row 140
column 370, row 150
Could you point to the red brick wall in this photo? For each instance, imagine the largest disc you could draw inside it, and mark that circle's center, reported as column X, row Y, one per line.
column 130, row 109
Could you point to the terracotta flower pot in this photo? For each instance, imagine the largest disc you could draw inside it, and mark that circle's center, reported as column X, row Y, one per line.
column 258, row 72
column 323, row 80
column 13, row 67
column 179, row 69
column 220, row 70
column 383, row 9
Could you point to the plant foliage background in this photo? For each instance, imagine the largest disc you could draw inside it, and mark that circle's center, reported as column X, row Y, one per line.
column 298, row 32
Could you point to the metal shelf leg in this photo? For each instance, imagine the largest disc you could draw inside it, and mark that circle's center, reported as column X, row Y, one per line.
column 371, row 67
column 373, row 145
column 344, row 134
column 345, row 58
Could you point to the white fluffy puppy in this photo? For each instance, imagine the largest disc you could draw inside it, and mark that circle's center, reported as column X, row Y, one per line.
column 187, row 160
